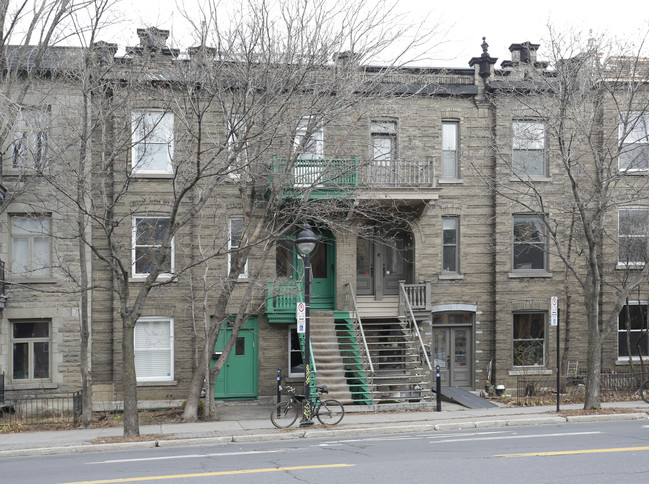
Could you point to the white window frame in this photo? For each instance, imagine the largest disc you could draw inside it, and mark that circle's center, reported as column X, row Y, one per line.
column 232, row 247
column 145, row 345
column 528, row 137
column 40, row 230
column 641, row 233
column 30, row 138
column 159, row 135
column 450, row 144
column 633, row 132
column 529, row 339
column 135, row 246
column 237, row 156
column 313, row 148
column 293, row 328
column 446, row 220
column 30, row 350
column 542, row 243
column 621, row 332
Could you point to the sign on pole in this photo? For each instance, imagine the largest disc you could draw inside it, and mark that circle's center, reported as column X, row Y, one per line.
column 554, row 303
column 301, row 317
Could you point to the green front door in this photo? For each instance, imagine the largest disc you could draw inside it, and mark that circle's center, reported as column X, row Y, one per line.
column 238, row 377
column 323, row 269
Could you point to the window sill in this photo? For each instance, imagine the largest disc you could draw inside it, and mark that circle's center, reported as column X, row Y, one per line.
column 450, row 181
column 160, row 383
column 634, row 171
column 529, row 274
column 161, row 278
column 527, row 179
column 625, row 361
column 31, row 385
column 35, row 280
column 531, row 370
column 629, row 266
column 155, row 176
column 450, row 276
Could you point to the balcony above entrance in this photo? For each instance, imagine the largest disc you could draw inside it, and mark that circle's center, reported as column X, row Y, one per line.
column 397, row 179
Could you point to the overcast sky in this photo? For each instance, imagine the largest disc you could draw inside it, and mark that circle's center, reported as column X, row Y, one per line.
column 462, row 24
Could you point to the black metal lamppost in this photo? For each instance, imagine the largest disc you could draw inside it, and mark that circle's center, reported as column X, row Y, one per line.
column 306, row 242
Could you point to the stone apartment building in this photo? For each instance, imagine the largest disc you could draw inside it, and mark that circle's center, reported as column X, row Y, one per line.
column 429, row 264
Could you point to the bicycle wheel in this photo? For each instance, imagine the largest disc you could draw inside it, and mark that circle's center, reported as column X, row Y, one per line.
column 284, row 414
column 644, row 391
column 330, row 412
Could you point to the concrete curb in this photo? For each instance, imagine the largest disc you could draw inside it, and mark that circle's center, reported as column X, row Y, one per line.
column 332, row 432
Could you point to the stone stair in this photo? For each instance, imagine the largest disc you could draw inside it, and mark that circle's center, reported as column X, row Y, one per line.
column 398, row 372
column 330, row 368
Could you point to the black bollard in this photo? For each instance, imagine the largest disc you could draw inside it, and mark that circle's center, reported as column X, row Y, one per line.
column 438, row 376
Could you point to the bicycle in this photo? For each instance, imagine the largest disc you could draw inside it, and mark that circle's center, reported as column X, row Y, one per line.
column 328, row 412
column 644, row 391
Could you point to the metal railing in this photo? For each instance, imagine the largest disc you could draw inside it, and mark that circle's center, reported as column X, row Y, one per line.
column 326, row 173
column 357, row 325
column 414, row 327
column 401, row 173
column 531, row 387
column 53, row 410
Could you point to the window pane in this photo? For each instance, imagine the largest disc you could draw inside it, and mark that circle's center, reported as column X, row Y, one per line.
column 41, row 256
column 529, row 325
column 20, row 255
column 528, row 162
column 528, row 339
column 449, row 264
column 31, row 330
column 20, row 361
column 41, row 360
column 529, row 256
column 240, row 346
column 284, row 259
column 528, row 136
column 449, row 136
column 382, row 148
column 634, row 157
column 449, row 164
column 236, row 231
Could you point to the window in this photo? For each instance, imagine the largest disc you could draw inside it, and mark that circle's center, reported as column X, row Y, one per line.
column 633, row 223
column 234, row 244
column 30, row 245
column 284, row 259
column 528, row 156
column 237, row 148
column 30, row 139
column 31, row 350
column 634, row 142
column 529, row 339
column 450, row 166
column 450, row 246
column 313, row 146
column 154, row 349
column 295, row 360
column 148, row 237
column 632, row 328
column 153, row 144
column 383, row 138
column 529, row 243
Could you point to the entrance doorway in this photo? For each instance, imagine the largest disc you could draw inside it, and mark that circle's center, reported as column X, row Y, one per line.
column 381, row 262
column 453, row 350
column 323, row 273
column 238, row 377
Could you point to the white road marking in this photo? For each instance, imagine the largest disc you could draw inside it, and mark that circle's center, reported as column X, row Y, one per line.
column 505, row 437
column 189, row 456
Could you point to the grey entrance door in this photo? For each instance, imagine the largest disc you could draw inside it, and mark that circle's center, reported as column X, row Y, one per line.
column 381, row 263
column 452, row 350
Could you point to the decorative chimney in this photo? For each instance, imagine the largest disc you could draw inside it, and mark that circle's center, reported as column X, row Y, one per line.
column 153, row 38
column 485, row 61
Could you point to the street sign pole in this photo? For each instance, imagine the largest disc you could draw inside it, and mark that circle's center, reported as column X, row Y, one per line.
column 554, row 321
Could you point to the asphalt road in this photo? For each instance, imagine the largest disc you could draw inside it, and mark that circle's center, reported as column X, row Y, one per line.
column 611, row 452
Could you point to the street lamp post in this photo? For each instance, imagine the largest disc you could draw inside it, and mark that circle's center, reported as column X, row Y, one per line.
column 306, row 242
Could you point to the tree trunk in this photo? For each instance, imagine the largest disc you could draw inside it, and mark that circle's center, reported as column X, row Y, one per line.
column 129, row 382
column 594, row 361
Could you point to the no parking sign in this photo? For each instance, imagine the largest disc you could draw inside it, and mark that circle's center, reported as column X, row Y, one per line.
column 301, row 317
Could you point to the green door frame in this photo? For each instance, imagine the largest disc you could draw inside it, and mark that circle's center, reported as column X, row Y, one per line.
column 323, row 270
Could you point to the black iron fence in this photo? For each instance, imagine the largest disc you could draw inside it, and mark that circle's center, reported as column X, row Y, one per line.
column 532, row 389
column 19, row 407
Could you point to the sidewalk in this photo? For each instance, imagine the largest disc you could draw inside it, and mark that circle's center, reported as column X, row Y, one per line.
column 250, row 422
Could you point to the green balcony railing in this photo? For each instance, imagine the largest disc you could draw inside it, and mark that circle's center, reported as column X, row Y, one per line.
column 281, row 300
column 324, row 174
